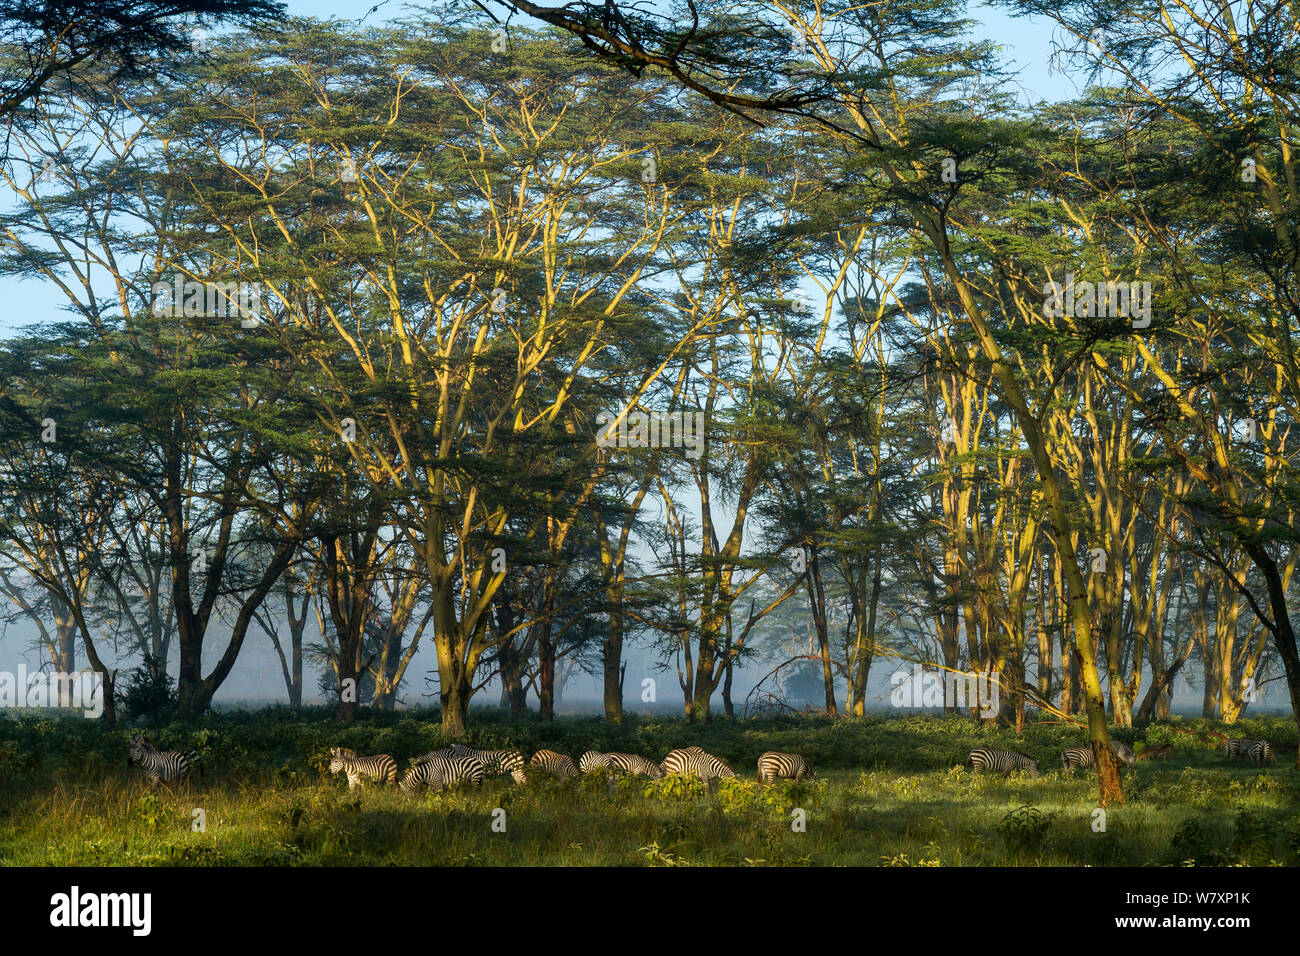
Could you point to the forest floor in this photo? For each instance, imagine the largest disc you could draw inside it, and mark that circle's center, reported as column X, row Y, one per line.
column 889, row 791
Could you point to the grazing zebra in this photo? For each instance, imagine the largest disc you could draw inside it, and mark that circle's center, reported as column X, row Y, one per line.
column 624, row 763
column 1237, row 746
column 774, row 764
column 380, row 767
column 441, row 771
column 426, row 757
column 551, row 762
column 496, row 762
column 697, row 763
column 1260, row 751
column 1003, row 761
column 1083, row 756
column 162, row 766
column 591, row 760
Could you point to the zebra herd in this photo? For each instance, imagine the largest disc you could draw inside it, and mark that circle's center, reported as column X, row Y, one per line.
column 1004, row 761
column 459, row 764
column 1258, row 751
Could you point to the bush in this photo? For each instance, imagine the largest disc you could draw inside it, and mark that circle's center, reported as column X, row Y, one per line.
column 150, row 694
column 1024, row 827
column 1191, row 844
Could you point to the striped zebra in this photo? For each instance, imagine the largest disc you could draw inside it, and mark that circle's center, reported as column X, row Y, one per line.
column 1236, row 746
column 553, row 763
column 1002, row 761
column 426, row 757
column 775, row 764
column 441, row 771
column 495, row 762
column 162, row 766
column 697, row 763
column 1260, row 751
column 1083, row 757
column 380, row 767
column 623, row 763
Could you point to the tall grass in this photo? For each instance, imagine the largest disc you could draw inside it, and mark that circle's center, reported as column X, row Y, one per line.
column 888, row 791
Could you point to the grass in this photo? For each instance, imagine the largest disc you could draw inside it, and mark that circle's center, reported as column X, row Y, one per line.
column 889, row 791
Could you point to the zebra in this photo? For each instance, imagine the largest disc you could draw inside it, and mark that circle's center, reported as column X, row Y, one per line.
column 592, row 760
column 441, row 771
column 697, row 763
column 1083, row 756
column 380, row 767
column 624, row 763
column 495, row 762
column 426, row 757
column 1237, row 746
column 775, row 764
column 162, row 766
column 1260, row 751
column 1003, row 761
column 551, row 762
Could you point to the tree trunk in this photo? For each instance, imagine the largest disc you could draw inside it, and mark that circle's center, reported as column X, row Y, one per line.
column 65, row 660
column 1284, row 638
column 863, row 654
column 192, row 696
column 546, row 671
column 612, row 661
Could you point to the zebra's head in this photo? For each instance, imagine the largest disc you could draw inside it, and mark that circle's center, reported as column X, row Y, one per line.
column 408, row 781
column 338, row 761
column 139, row 747
column 1032, row 768
column 590, row 760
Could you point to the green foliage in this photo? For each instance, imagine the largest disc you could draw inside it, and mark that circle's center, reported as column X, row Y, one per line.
column 149, row 810
column 1024, row 827
column 149, row 693
column 1252, row 838
column 1191, row 844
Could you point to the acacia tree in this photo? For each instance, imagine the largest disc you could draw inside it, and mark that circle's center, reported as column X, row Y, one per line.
column 1220, row 75
column 188, row 404
column 469, row 292
column 57, row 511
column 860, row 76
column 67, row 42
